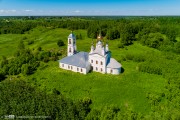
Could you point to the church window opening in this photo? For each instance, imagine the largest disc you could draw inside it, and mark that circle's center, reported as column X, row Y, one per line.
column 68, row 67
column 91, row 61
column 69, row 41
column 81, row 70
column 62, row 65
column 111, row 71
column 101, row 69
column 77, row 69
column 101, row 63
column 69, row 49
column 71, row 67
column 96, row 69
column 96, row 62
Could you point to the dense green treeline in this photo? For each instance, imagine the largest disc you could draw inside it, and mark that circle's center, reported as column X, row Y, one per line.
column 156, row 32
column 19, row 98
column 111, row 28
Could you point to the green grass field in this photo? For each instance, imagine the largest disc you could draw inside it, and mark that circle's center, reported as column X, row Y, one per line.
column 129, row 88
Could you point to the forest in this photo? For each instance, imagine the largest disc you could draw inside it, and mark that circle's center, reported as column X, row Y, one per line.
column 32, row 84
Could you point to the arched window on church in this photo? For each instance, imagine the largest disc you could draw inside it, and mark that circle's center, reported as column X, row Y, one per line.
column 101, row 63
column 91, row 61
column 69, row 41
column 96, row 69
column 111, row 71
column 69, row 49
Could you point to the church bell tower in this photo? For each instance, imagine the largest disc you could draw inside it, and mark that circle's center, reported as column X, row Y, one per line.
column 71, row 50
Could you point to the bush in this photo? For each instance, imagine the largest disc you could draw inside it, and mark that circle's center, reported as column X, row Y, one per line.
column 2, row 75
column 21, row 45
column 39, row 48
column 154, row 40
column 151, row 68
column 122, row 58
column 60, row 43
column 177, row 47
column 56, row 92
column 24, row 38
column 26, row 69
column 139, row 58
column 178, row 59
column 30, row 42
column 120, row 45
column 129, row 57
column 79, row 36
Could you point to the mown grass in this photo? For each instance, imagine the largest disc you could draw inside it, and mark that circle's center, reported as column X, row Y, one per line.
column 128, row 89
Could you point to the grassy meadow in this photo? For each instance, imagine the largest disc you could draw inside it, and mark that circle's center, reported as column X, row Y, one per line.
column 130, row 88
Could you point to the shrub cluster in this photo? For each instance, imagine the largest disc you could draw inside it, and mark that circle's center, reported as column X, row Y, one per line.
column 19, row 98
column 25, row 61
column 151, row 68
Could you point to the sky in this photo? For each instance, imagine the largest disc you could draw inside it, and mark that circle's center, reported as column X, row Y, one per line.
column 89, row 7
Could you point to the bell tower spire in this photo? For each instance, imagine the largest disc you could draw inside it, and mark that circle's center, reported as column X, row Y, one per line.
column 71, row 50
column 92, row 46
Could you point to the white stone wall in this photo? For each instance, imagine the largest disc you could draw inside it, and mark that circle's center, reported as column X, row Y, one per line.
column 108, row 70
column 114, row 71
column 99, row 59
column 74, row 68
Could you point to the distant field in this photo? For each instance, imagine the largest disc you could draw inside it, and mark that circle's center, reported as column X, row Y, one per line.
column 130, row 88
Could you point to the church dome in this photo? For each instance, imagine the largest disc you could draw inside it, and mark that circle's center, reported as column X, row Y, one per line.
column 99, row 37
column 99, row 42
column 71, row 35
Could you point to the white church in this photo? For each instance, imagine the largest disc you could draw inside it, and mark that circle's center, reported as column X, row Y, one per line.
column 98, row 60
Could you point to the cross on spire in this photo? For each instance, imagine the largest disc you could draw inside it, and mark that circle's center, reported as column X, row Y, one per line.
column 99, row 37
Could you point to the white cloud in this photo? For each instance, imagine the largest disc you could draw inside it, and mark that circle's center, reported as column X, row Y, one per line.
column 28, row 10
column 7, row 11
column 76, row 11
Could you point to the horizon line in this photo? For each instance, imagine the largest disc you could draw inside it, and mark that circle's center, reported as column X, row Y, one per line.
column 83, row 15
